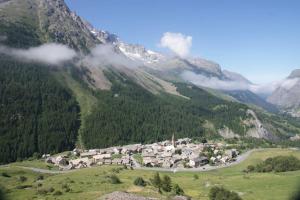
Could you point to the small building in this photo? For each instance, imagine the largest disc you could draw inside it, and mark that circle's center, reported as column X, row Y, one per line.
column 89, row 154
column 200, row 161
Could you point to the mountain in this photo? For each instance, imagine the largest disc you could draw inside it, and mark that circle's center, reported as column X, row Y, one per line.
column 246, row 96
column 287, row 95
column 107, row 92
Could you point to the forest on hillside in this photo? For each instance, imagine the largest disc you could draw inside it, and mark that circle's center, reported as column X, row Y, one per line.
column 130, row 114
column 38, row 115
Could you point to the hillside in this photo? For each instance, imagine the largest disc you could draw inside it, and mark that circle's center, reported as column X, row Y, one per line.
column 287, row 94
column 95, row 96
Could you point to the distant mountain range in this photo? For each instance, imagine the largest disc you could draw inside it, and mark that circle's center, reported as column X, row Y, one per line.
column 287, row 95
column 101, row 91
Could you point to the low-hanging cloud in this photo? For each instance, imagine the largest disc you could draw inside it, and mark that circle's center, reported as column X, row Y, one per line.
column 214, row 82
column 50, row 53
column 177, row 42
column 106, row 55
column 230, row 85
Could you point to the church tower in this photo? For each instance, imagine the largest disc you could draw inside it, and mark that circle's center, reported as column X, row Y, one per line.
column 173, row 140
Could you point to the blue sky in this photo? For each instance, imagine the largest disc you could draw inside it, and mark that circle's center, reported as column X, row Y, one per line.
column 257, row 38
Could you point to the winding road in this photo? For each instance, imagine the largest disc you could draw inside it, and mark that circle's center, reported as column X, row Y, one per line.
column 239, row 159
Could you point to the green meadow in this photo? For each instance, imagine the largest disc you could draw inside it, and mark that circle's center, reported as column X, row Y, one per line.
column 92, row 183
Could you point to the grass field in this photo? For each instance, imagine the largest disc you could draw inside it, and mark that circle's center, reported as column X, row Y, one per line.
column 91, row 183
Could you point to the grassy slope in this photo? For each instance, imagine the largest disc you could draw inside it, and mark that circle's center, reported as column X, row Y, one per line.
column 89, row 183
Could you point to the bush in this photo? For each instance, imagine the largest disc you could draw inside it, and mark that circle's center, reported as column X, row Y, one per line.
column 21, row 187
column 66, row 188
column 40, row 177
column 156, row 180
column 22, row 179
column 177, row 190
column 4, row 174
column 57, row 193
column 2, row 193
column 166, row 184
column 220, row 193
column 114, row 179
column 51, row 189
column 139, row 181
column 196, row 177
column 42, row 191
column 277, row 164
column 250, row 168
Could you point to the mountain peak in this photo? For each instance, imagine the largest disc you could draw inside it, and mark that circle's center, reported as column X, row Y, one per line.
column 295, row 74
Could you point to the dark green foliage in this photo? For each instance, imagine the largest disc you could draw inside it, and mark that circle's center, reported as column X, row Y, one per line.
column 114, row 179
column 196, row 177
column 177, row 190
column 166, row 183
column 278, row 164
column 42, row 191
column 4, row 174
column 19, row 34
column 37, row 113
column 57, row 193
column 40, row 177
column 129, row 114
column 66, row 187
column 250, row 168
column 139, row 181
column 220, row 193
column 2, row 193
column 156, row 180
column 296, row 195
column 22, row 178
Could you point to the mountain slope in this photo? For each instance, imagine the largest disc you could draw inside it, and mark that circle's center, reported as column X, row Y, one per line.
column 95, row 100
column 287, row 95
column 248, row 97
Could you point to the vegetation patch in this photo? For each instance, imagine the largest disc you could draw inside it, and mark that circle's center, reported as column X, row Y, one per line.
column 276, row 164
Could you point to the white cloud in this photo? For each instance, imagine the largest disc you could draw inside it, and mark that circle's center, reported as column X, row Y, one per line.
column 178, row 43
column 105, row 54
column 214, row 82
column 229, row 85
column 47, row 53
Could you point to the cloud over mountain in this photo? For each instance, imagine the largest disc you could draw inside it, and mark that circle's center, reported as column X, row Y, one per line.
column 50, row 53
column 177, row 42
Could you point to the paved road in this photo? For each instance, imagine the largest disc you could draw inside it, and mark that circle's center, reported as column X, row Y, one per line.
column 240, row 159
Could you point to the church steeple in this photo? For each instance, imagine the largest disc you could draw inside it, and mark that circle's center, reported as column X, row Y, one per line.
column 173, row 140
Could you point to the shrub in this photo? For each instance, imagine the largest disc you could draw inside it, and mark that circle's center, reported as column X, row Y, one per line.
column 66, row 188
column 250, row 168
column 4, row 174
column 139, row 181
column 196, row 176
column 277, row 164
column 166, row 184
column 114, row 179
column 22, row 179
column 156, row 180
column 2, row 193
column 57, row 193
column 20, row 187
column 51, row 189
column 220, row 193
column 177, row 190
column 40, row 177
column 42, row 191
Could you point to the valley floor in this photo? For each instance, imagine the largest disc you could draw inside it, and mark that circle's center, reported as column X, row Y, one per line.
column 91, row 183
